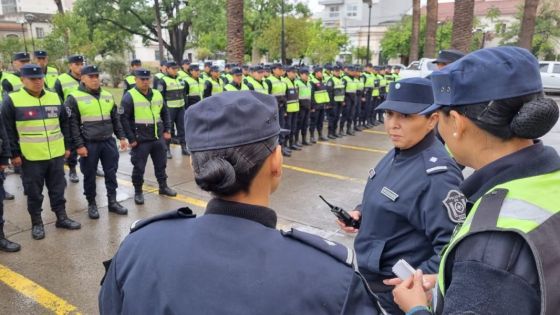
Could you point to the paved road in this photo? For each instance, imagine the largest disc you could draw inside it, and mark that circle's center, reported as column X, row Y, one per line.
column 62, row 272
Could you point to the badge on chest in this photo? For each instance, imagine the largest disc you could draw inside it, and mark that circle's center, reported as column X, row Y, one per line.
column 393, row 196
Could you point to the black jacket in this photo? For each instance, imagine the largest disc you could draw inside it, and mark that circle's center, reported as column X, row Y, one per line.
column 142, row 132
column 6, row 152
column 92, row 131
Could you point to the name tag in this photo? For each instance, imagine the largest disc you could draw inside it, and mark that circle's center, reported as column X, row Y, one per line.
column 389, row 194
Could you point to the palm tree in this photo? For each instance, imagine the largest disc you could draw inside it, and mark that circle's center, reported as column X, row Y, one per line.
column 461, row 36
column 431, row 29
column 59, row 6
column 415, row 38
column 528, row 24
column 235, row 36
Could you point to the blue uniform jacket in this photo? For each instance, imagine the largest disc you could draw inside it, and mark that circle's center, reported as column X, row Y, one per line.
column 403, row 210
column 230, row 261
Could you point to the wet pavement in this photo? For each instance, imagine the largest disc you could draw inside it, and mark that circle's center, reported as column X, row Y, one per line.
column 68, row 264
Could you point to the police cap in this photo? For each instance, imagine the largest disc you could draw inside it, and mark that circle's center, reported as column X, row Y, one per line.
column 328, row 66
column 257, row 68
column 214, row 69
column 409, row 96
column 304, row 70
column 194, row 67
column 317, row 69
column 267, row 68
column 337, row 68
column 208, row 64
column 90, row 70
column 171, row 64
column 142, row 73
column 236, row 71
column 369, row 65
column 21, row 56
column 40, row 54
column 76, row 59
column 31, row 71
column 245, row 67
column 486, row 75
column 448, row 56
column 220, row 121
column 135, row 62
column 185, row 62
column 289, row 69
column 276, row 66
column 162, row 63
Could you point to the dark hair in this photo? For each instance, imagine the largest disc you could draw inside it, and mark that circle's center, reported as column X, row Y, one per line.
column 225, row 172
column 530, row 116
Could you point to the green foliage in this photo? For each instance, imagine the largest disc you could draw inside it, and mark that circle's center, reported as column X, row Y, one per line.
column 298, row 35
column 325, row 43
column 117, row 69
column 360, row 53
column 8, row 46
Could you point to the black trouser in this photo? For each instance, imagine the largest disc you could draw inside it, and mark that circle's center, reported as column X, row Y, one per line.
column 303, row 119
column 177, row 117
column 380, row 113
column 317, row 118
column 38, row 174
column 366, row 114
column 156, row 149
column 357, row 109
column 333, row 114
column 2, row 193
column 282, row 121
column 107, row 152
column 72, row 160
column 292, row 125
column 348, row 111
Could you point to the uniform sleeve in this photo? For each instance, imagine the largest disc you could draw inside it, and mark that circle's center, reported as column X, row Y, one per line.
column 250, row 85
column 110, row 296
column 74, row 122
column 127, row 117
column 126, row 86
column 7, row 86
column 58, row 90
column 484, row 260
column 9, row 119
column 64, row 121
column 207, row 89
column 6, row 149
column 162, row 87
column 117, row 126
column 164, row 114
column 269, row 85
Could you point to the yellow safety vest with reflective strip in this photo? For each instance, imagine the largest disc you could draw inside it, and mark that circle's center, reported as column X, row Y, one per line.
column 350, row 84
column 14, row 80
column 174, row 92
column 525, row 208
column 68, row 84
column 278, row 86
column 131, row 80
column 338, row 89
column 159, row 75
column 304, row 89
column 359, row 84
column 376, row 84
column 217, row 86
column 145, row 111
column 370, row 80
column 92, row 109
column 231, row 88
column 50, row 78
column 320, row 96
column 292, row 101
column 38, row 125
column 196, row 87
column 260, row 87
column 182, row 75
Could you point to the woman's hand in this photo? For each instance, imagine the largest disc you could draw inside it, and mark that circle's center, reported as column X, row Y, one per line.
column 428, row 282
column 356, row 215
column 410, row 293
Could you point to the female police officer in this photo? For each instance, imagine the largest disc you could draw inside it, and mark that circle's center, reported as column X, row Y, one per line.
column 232, row 260
column 504, row 258
column 402, row 213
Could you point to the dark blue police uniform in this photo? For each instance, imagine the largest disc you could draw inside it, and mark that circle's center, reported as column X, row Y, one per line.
column 403, row 211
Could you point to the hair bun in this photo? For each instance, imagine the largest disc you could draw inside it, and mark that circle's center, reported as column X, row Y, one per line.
column 535, row 118
column 217, row 175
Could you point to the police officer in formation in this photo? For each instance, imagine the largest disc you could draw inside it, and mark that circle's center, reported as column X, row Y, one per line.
column 41, row 58
column 66, row 83
column 350, row 102
column 213, row 83
column 446, row 57
column 145, row 120
column 336, row 88
column 37, row 126
column 129, row 79
column 162, row 72
column 292, row 109
column 5, row 154
column 236, row 83
column 183, row 72
column 319, row 100
column 255, row 81
column 206, row 70
column 93, row 121
column 11, row 82
column 238, row 229
column 193, row 85
column 304, row 94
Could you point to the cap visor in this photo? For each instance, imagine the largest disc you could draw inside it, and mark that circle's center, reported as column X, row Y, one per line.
column 33, row 76
column 441, row 61
column 143, row 76
column 430, row 109
column 403, row 107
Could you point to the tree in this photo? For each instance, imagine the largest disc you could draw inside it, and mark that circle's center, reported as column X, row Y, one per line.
column 361, row 53
column 298, row 36
column 431, row 29
column 325, row 43
column 8, row 46
column 235, row 36
column 59, row 6
column 462, row 25
column 117, row 68
column 527, row 29
column 415, row 35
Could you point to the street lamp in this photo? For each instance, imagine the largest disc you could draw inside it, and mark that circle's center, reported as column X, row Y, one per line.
column 30, row 18
column 22, row 22
column 369, row 3
column 283, row 39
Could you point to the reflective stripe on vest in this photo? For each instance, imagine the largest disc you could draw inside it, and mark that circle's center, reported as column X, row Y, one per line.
column 278, row 87
column 259, row 87
column 131, row 80
column 339, row 89
column 174, row 92
column 528, row 207
column 304, row 89
column 320, row 96
column 14, row 80
column 292, row 98
column 350, row 84
column 217, row 86
column 147, row 112
column 195, row 86
column 92, row 109
column 370, row 80
column 68, row 84
column 50, row 78
column 232, row 88
column 38, row 127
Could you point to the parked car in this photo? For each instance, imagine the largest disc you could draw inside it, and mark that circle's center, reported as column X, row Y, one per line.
column 421, row 68
column 550, row 75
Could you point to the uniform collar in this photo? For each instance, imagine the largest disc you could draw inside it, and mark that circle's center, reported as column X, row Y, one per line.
column 262, row 215
column 42, row 92
column 148, row 96
column 419, row 147
column 83, row 88
column 531, row 161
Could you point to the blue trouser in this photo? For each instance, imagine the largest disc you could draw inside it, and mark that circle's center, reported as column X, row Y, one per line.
column 357, row 109
column 72, row 160
column 291, row 124
column 177, row 118
column 2, row 192
column 333, row 115
column 317, row 118
column 282, row 117
column 155, row 149
column 348, row 111
column 105, row 151
column 303, row 119
column 366, row 114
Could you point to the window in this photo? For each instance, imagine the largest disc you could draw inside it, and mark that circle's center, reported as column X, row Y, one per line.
column 544, row 67
column 556, row 68
column 352, row 10
column 9, row 6
column 40, row 32
column 334, row 12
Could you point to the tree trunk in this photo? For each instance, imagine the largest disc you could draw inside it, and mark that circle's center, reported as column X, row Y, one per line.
column 59, row 6
column 235, row 36
column 255, row 54
column 431, row 29
column 528, row 24
column 415, row 37
column 158, row 27
column 462, row 25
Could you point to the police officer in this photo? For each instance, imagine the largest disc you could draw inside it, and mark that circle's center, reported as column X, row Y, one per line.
column 193, row 86
column 350, row 102
column 319, row 100
column 174, row 95
column 129, row 79
column 206, row 73
column 447, row 56
column 245, row 69
column 255, row 81
column 37, row 126
column 402, row 214
column 183, row 72
column 162, row 72
column 11, row 82
column 360, row 99
column 277, row 87
column 226, row 76
column 304, row 93
column 368, row 79
column 336, row 89
column 292, row 109
column 236, row 83
column 5, row 153
column 41, row 58
column 213, row 84
column 145, row 120
column 66, row 83
column 93, row 121
column 383, row 89
column 263, row 264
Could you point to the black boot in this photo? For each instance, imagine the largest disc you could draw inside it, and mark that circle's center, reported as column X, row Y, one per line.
column 92, row 211
column 64, row 222
column 341, row 132
column 8, row 196
column 304, row 139
column 184, row 150
column 286, row 152
column 293, row 144
column 138, row 195
column 169, row 157
column 331, row 135
column 297, row 144
column 321, row 137
column 312, row 133
column 37, row 229
column 72, row 175
column 5, row 244
column 166, row 191
column 116, row 207
column 349, row 131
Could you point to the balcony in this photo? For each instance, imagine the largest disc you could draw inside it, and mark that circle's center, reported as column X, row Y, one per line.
column 329, row 2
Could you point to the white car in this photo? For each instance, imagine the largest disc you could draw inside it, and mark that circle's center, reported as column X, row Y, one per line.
column 422, row 68
column 550, row 75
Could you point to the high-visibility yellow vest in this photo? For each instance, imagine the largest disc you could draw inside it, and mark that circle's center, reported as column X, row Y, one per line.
column 525, row 207
column 182, row 75
column 174, row 92
column 350, row 84
column 304, row 88
column 145, row 111
column 50, row 78
column 376, row 85
column 278, row 86
column 91, row 109
column 131, row 80
column 217, row 86
column 320, row 96
column 359, row 84
column 231, row 88
column 338, row 89
column 68, row 84
column 292, row 98
column 260, row 87
column 14, row 80
column 196, row 87
column 38, row 125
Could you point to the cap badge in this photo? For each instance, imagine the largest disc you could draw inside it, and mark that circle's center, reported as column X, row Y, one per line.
column 397, row 86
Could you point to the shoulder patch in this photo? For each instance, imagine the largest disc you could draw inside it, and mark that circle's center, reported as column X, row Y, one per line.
column 434, row 162
column 181, row 213
column 338, row 251
column 456, row 205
